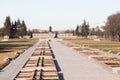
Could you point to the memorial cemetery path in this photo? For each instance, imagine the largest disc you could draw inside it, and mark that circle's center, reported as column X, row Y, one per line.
column 70, row 64
column 75, row 66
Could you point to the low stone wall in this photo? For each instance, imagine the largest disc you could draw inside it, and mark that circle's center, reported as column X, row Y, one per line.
column 51, row 35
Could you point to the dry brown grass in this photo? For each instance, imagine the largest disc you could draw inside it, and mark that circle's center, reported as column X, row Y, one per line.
column 105, row 45
column 8, row 48
column 3, row 56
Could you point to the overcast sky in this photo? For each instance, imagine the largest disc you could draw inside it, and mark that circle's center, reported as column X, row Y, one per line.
column 60, row 14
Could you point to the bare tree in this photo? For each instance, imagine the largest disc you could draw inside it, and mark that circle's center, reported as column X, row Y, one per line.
column 112, row 27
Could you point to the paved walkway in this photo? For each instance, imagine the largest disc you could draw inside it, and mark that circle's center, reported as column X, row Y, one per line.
column 75, row 66
column 10, row 71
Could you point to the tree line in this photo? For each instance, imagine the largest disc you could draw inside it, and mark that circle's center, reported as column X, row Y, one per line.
column 13, row 29
column 82, row 30
column 111, row 29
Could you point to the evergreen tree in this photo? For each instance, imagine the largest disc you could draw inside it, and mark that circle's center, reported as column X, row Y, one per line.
column 80, row 30
column 77, row 30
column 18, row 25
column 85, row 29
column 7, row 26
column 18, row 22
column 13, row 30
column 23, row 28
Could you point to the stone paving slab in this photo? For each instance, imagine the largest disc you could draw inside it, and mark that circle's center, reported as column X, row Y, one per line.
column 75, row 66
column 10, row 71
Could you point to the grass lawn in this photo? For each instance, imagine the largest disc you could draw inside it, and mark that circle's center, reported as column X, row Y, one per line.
column 105, row 45
column 8, row 48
